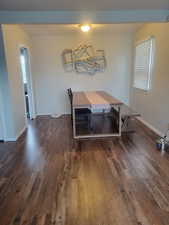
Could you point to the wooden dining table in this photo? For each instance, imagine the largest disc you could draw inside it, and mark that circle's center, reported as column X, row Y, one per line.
column 96, row 100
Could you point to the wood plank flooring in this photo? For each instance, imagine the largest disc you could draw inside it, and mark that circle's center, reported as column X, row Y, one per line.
column 45, row 181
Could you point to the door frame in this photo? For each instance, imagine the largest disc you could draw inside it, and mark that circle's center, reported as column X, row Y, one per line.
column 2, row 122
column 2, row 118
column 1, row 128
column 30, row 83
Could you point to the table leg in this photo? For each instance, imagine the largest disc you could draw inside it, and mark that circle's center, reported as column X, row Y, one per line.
column 119, row 108
column 74, row 123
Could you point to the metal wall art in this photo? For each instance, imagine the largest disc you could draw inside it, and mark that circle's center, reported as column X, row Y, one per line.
column 84, row 59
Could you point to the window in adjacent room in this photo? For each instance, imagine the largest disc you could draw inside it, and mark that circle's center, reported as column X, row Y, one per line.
column 23, row 67
column 144, row 54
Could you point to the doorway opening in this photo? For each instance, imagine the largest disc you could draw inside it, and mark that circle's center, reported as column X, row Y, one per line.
column 27, row 84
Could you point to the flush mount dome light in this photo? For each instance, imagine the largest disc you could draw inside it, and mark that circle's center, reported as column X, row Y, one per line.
column 85, row 27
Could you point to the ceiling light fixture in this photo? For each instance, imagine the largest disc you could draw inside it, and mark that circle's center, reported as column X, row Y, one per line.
column 85, row 27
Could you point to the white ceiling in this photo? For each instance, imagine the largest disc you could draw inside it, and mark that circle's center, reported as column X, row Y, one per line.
column 51, row 29
column 83, row 4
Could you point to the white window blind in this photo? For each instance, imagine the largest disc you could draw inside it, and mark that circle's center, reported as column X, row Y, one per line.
column 144, row 64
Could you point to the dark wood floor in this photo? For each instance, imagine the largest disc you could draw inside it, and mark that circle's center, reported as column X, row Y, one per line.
column 44, row 181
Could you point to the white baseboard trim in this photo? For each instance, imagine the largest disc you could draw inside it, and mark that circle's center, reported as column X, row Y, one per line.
column 150, row 127
column 12, row 139
column 21, row 132
column 44, row 114
column 52, row 114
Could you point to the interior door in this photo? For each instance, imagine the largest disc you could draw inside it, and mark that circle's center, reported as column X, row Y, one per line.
column 25, row 66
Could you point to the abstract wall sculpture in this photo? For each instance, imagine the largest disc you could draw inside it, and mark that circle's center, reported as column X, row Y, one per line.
column 84, row 59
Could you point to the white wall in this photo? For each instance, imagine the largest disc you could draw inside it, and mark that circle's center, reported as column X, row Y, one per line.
column 153, row 105
column 5, row 95
column 51, row 81
column 14, row 37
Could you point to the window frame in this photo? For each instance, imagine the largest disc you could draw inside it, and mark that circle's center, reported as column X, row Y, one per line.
column 150, row 66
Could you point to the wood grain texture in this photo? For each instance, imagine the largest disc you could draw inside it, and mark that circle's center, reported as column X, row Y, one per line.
column 109, row 98
column 81, row 99
column 44, row 181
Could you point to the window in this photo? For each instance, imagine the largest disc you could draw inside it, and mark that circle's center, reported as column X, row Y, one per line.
column 144, row 64
column 23, row 68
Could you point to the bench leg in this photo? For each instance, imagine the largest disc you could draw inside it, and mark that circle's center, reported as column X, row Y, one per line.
column 125, row 125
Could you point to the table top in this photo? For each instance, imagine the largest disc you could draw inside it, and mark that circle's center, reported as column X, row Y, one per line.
column 95, row 99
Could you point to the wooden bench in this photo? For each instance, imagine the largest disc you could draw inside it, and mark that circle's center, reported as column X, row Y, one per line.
column 127, row 114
